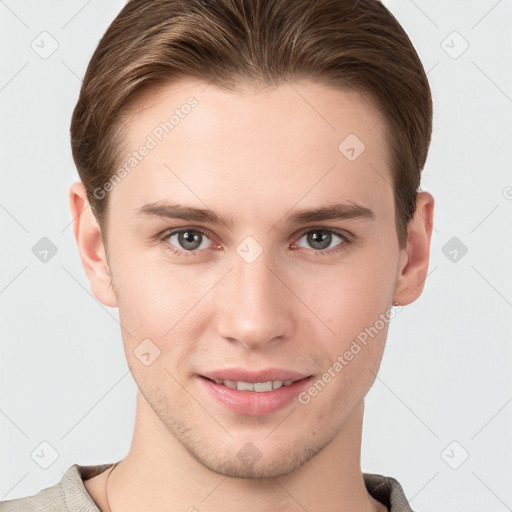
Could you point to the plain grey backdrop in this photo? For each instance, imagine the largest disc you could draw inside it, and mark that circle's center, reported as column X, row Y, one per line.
column 439, row 415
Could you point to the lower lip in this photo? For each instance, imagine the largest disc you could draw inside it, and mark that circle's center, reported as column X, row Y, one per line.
column 253, row 403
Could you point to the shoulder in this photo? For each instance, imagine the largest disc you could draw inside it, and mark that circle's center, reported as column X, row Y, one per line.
column 388, row 491
column 49, row 499
column 68, row 495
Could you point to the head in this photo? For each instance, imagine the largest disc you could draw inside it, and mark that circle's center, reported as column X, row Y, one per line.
column 255, row 113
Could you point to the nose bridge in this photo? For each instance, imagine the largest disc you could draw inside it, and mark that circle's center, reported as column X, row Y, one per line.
column 253, row 304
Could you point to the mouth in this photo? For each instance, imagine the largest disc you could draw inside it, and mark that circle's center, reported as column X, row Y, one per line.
column 254, row 393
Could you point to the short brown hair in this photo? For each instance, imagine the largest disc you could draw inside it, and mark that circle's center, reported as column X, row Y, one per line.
column 349, row 44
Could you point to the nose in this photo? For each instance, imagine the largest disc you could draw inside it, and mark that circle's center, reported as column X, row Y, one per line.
column 254, row 306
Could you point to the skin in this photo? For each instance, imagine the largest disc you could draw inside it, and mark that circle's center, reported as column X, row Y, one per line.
column 254, row 156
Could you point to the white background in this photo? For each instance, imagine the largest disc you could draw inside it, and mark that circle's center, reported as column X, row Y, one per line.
column 445, row 375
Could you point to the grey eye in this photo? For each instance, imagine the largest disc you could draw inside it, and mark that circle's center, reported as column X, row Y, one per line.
column 321, row 239
column 189, row 240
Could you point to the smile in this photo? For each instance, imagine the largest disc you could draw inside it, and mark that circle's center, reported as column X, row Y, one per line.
column 258, row 387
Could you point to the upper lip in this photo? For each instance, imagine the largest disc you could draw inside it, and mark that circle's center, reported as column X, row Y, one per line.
column 241, row 374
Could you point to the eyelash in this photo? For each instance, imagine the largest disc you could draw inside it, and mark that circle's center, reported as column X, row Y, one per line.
column 346, row 240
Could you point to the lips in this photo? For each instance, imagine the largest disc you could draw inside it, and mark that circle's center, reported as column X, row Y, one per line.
column 254, row 393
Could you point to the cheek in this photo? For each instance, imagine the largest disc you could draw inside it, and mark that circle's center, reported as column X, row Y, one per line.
column 352, row 294
column 156, row 304
column 156, row 292
column 355, row 303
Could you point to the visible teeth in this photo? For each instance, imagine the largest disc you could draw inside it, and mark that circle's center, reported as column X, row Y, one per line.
column 263, row 386
column 259, row 387
column 244, row 386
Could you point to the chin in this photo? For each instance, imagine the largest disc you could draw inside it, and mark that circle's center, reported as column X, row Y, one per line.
column 250, row 462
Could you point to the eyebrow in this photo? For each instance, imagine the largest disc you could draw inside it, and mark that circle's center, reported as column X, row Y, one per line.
column 337, row 211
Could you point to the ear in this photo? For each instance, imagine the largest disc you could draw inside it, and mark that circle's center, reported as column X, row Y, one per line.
column 414, row 258
column 90, row 245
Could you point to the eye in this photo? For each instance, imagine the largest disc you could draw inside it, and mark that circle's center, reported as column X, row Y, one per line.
column 321, row 239
column 186, row 241
column 189, row 242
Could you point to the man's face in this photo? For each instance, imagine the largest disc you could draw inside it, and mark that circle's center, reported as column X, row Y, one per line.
column 260, row 292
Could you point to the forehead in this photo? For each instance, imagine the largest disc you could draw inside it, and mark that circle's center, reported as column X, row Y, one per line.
column 301, row 141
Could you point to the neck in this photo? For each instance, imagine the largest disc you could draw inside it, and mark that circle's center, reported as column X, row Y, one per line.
column 158, row 471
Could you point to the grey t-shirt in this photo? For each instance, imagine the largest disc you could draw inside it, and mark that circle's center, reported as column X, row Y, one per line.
column 70, row 494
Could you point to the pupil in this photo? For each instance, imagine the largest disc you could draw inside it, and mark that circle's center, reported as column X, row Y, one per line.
column 189, row 239
column 318, row 238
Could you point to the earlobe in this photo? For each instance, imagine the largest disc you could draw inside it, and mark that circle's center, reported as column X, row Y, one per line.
column 90, row 245
column 415, row 257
